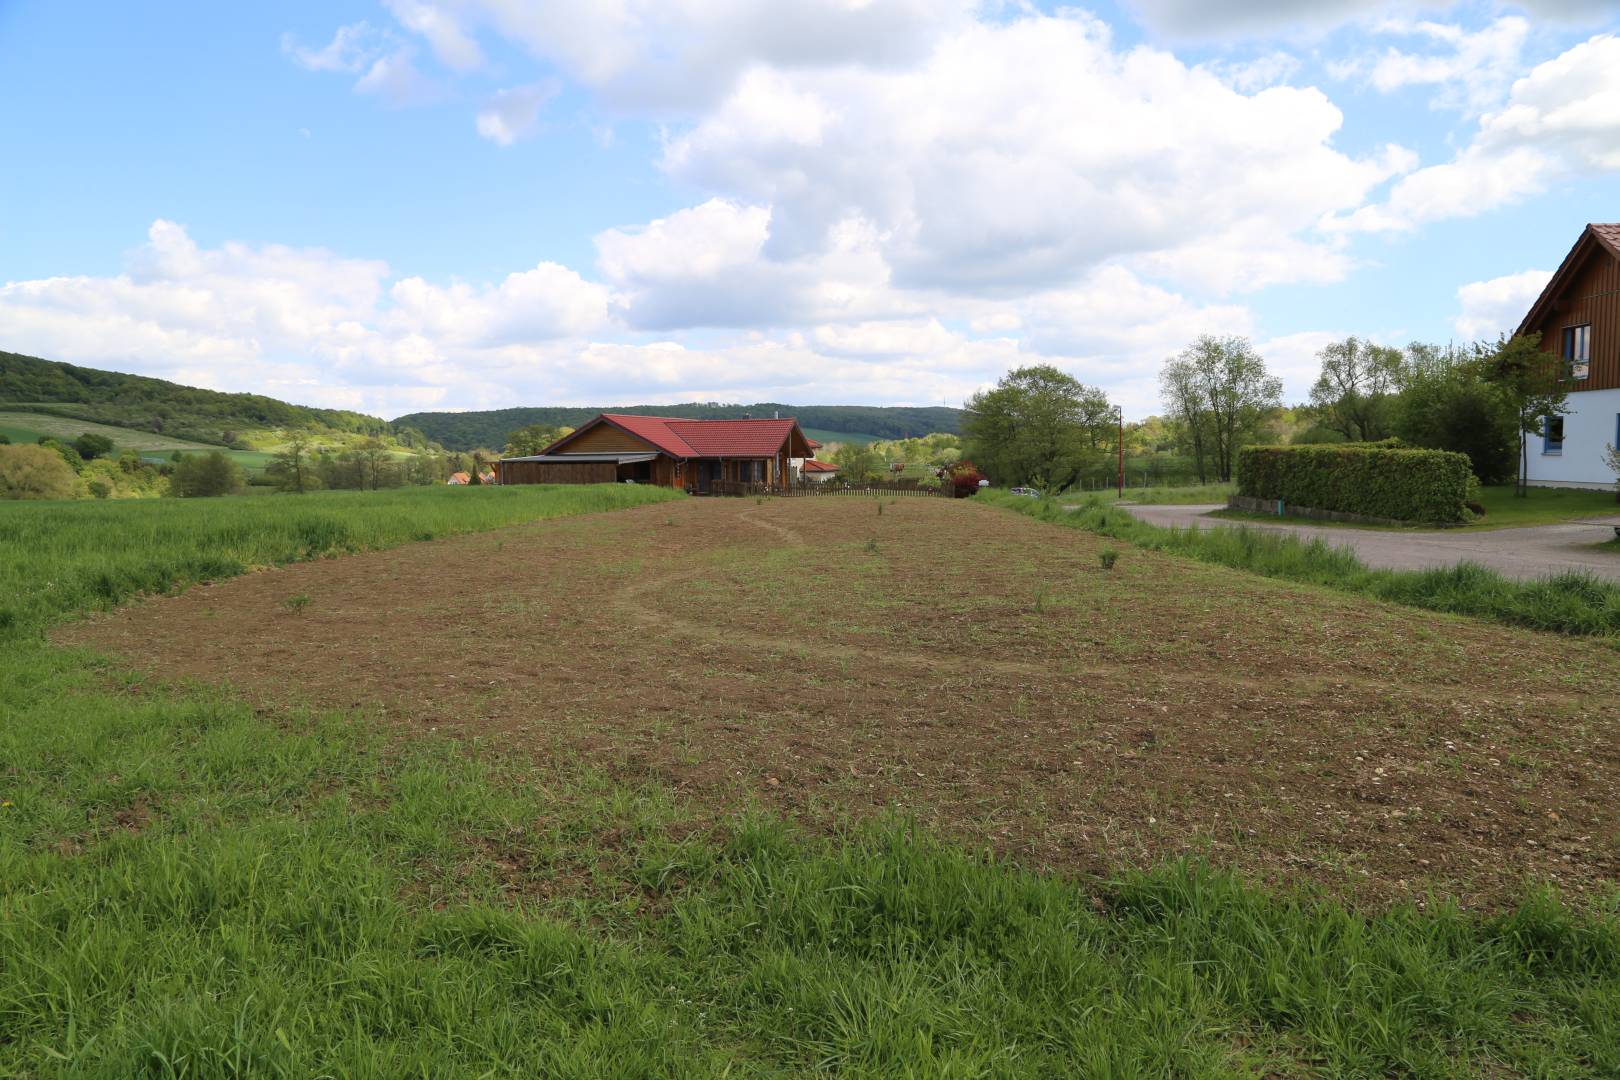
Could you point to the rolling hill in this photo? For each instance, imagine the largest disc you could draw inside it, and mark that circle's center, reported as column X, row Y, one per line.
column 186, row 413
column 470, row 430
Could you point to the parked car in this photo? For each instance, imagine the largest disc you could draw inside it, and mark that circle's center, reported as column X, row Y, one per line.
column 1031, row 492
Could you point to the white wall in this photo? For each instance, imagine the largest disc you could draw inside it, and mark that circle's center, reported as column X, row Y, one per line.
column 1588, row 428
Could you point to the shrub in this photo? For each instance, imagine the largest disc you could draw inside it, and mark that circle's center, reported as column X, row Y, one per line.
column 1376, row 479
column 36, row 472
column 965, row 477
column 91, row 446
column 201, row 475
column 1108, row 556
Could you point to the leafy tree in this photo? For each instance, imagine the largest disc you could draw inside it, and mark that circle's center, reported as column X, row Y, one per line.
column 1219, row 388
column 92, row 446
column 1611, row 458
column 1533, row 384
column 1354, row 392
column 5, row 440
column 1038, row 426
column 534, row 439
column 291, row 465
column 857, row 462
column 374, row 462
column 36, row 472
column 1447, row 402
column 207, row 475
column 68, row 454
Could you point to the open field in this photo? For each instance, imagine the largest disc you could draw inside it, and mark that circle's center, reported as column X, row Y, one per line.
column 830, row 661
column 599, row 882
column 31, row 426
column 824, row 436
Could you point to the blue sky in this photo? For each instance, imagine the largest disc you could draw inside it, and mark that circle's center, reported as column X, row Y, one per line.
column 409, row 204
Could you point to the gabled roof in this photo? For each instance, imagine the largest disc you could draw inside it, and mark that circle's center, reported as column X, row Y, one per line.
column 812, row 465
column 1592, row 238
column 683, row 438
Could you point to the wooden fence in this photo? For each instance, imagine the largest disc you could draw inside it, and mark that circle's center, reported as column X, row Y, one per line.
column 830, row 487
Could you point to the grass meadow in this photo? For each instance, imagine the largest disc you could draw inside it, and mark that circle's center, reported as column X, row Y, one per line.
column 1572, row 603
column 192, row 888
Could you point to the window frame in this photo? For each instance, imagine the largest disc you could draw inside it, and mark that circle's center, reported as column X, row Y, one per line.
column 1551, row 446
column 1575, row 349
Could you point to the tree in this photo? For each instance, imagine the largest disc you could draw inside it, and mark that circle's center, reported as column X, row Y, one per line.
column 1189, row 414
column 1038, row 426
column 291, row 465
column 36, row 472
column 374, row 460
column 206, row 475
column 1448, row 403
column 857, row 462
column 1533, row 384
column 1611, row 458
column 1353, row 394
column 534, row 439
column 92, row 446
column 1220, row 388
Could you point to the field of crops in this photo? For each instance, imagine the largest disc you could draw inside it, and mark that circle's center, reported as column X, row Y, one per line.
column 722, row 788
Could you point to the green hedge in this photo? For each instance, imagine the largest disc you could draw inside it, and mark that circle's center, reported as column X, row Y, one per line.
column 1375, row 479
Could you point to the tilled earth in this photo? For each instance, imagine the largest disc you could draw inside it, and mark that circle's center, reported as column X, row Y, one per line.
column 972, row 667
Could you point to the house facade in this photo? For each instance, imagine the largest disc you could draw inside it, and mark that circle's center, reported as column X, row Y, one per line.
column 700, row 456
column 1578, row 318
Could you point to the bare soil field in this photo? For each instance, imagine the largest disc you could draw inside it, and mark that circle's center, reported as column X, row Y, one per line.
column 969, row 666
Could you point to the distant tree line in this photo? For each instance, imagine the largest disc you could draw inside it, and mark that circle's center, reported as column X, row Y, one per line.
column 468, row 430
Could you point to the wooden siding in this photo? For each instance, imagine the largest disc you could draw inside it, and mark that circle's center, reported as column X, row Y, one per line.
column 606, row 439
column 1592, row 297
column 547, row 472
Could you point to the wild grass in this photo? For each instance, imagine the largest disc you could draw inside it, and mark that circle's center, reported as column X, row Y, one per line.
column 1156, row 496
column 1568, row 603
column 66, row 557
column 190, row 888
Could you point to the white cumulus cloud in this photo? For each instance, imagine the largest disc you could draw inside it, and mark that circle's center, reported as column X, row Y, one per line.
column 1497, row 306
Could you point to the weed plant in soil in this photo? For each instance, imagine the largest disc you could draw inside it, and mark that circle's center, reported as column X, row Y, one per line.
column 1570, row 603
column 189, row 887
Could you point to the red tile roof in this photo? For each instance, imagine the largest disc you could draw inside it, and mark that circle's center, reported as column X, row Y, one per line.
column 812, row 465
column 707, row 438
column 1610, row 235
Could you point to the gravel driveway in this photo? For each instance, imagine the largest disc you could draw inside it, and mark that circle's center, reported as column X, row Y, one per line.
column 1528, row 552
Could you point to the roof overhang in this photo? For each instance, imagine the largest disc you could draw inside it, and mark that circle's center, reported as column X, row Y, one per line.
column 1591, row 240
column 585, row 459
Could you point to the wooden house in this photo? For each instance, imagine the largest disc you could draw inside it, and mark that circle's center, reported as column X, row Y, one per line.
column 696, row 455
column 1578, row 318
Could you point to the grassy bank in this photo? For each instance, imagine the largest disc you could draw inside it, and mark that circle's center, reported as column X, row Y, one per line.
column 190, row 888
column 66, row 557
column 1579, row 604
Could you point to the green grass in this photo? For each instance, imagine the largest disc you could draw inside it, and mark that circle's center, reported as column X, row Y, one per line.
column 857, row 438
column 1570, row 603
column 31, row 427
column 60, row 558
column 190, row 888
column 1155, row 496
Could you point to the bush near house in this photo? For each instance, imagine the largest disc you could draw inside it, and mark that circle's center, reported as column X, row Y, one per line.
column 1376, row 479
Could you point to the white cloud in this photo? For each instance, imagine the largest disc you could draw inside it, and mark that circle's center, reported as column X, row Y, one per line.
column 1236, row 19
column 351, row 49
column 514, row 114
column 1497, row 306
column 394, row 78
column 1561, row 119
column 1021, row 155
column 451, row 44
column 673, row 56
column 1472, row 69
column 550, row 301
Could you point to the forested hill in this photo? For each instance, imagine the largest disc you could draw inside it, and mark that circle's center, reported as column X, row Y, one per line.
column 470, row 430
column 136, row 401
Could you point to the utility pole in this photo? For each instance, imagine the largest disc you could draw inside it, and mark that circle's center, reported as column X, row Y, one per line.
column 1121, row 410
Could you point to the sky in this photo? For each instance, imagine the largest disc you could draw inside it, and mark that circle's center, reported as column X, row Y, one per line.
column 404, row 205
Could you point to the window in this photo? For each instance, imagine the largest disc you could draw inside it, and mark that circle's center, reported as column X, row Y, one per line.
column 1552, row 438
column 1576, row 349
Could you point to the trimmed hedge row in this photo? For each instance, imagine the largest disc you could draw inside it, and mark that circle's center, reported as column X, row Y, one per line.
column 1375, row 479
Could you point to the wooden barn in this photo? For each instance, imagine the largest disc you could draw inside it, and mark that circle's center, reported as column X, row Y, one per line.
column 696, row 455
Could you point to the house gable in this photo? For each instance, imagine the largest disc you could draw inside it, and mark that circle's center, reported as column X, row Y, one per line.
column 1584, row 291
column 602, row 436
